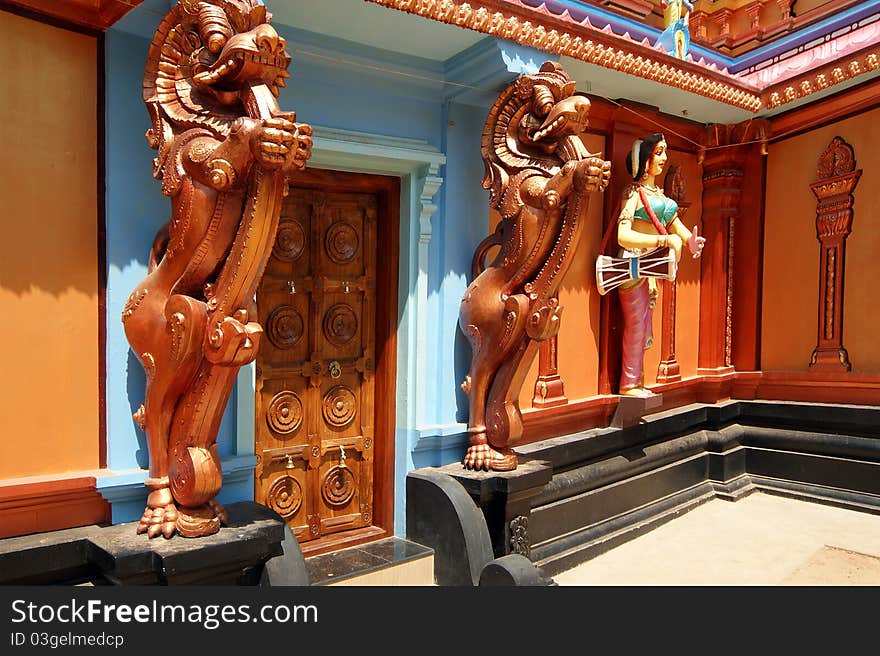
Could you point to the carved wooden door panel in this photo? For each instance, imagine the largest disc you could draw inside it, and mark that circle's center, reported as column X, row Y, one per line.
column 315, row 370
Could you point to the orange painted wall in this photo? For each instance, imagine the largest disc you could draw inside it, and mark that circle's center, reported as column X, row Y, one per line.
column 791, row 249
column 48, row 272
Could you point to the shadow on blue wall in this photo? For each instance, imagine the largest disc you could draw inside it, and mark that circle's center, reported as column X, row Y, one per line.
column 135, row 389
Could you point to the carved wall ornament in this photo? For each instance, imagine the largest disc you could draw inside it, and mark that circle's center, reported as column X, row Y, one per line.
column 291, row 240
column 838, row 159
column 836, row 180
column 285, row 413
column 285, row 496
column 539, row 176
column 285, row 327
column 340, row 324
column 519, row 536
column 211, row 78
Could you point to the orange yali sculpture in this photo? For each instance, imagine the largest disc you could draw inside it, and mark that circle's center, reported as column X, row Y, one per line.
column 224, row 152
column 539, row 176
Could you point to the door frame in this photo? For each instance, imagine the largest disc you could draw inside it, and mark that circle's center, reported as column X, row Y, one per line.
column 417, row 166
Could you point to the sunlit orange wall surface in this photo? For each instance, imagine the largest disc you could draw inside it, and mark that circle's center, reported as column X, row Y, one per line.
column 791, row 249
column 48, row 272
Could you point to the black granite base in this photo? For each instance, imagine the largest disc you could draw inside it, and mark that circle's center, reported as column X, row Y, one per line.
column 609, row 486
column 117, row 555
column 576, row 496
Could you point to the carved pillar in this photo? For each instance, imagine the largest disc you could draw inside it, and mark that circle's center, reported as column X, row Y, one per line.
column 669, row 371
column 836, row 181
column 724, row 166
column 722, row 185
column 549, row 388
column 730, row 151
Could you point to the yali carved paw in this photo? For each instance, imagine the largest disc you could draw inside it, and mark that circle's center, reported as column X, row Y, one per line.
column 592, row 174
column 272, row 142
column 482, row 456
column 160, row 516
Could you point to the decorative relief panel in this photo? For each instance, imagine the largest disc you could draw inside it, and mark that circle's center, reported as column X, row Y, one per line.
column 285, row 413
column 340, row 406
column 285, row 327
column 341, row 242
column 340, row 324
column 285, row 496
column 338, row 487
column 291, row 240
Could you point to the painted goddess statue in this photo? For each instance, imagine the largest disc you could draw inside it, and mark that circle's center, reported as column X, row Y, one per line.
column 676, row 38
column 648, row 220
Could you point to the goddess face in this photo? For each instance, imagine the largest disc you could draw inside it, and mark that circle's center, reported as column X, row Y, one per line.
column 657, row 160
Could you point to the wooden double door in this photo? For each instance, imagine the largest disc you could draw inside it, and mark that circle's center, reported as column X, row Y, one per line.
column 327, row 303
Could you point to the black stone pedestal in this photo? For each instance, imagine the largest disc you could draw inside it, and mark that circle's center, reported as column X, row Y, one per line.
column 117, row 555
column 472, row 543
column 506, row 501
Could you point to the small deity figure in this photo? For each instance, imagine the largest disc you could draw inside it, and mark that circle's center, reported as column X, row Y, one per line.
column 648, row 220
column 676, row 38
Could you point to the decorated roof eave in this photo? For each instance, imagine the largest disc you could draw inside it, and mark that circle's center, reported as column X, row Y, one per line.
column 822, row 77
column 539, row 28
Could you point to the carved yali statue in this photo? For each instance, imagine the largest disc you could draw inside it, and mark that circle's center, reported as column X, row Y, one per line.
column 224, row 152
column 539, row 175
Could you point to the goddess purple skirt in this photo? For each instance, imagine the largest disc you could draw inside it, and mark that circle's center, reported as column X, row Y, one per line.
column 637, row 332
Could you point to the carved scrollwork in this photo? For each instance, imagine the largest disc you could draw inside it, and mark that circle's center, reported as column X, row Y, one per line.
column 341, row 242
column 519, row 536
column 338, row 487
column 340, row 324
column 285, row 413
column 285, row 327
column 673, row 184
column 340, row 406
column 285, row 496
column 290, row 242
column 838, row 159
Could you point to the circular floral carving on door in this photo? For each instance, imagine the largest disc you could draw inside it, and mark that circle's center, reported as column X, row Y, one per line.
column 340, row 324
column 341, row 242
column 285, row 413
column 285, row 326
column 340, row 405
column 290, row 240
column 338, row 486
column 285, row 496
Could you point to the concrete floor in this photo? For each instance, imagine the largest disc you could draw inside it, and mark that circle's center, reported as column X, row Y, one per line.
column 761, row 539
